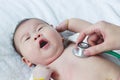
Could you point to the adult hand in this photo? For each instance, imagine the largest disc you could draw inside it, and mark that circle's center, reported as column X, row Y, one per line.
column 102, row 36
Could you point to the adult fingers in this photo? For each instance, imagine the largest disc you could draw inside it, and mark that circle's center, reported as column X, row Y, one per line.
column 93, row 50
column 93, row 39
column 85, row 33
column 80, row 38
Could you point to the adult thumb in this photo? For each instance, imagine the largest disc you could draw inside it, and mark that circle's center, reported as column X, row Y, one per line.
column 97, row 49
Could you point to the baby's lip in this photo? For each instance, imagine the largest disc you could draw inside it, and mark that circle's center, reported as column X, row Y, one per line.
column 43, row 43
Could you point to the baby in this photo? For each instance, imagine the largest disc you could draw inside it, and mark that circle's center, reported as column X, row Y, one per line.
column 39, row 43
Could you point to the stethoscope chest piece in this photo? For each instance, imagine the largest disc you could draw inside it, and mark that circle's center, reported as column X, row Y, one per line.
column 79, row 50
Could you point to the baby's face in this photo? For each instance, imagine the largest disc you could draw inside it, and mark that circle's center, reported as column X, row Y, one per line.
column 38, row 42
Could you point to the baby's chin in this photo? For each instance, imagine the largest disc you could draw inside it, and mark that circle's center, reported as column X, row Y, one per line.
column 54, row 58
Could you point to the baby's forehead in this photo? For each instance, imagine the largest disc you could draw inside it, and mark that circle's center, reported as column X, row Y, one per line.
column 32, row 23
column 35, row 21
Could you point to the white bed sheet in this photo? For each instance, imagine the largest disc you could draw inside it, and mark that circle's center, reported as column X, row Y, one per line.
column 52, row 11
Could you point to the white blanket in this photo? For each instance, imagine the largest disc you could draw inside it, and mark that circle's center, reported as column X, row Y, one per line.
column 52, row 11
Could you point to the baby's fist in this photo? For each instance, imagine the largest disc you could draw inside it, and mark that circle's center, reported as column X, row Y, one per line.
column 42, row 73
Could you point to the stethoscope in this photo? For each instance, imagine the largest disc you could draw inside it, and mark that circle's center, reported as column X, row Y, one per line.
column 79, row 50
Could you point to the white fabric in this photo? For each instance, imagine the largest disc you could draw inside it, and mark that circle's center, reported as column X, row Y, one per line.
column 52, row 11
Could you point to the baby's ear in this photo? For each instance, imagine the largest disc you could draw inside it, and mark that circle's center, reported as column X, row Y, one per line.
column 26, row 61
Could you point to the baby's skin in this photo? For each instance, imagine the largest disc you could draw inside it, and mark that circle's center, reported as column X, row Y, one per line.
column 70, row 67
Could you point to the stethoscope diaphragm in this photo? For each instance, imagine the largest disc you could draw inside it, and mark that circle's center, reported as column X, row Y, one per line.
column 79, row 50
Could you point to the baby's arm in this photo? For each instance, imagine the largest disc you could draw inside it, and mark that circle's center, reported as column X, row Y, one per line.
column 41, row 73
column 78, row 26
column 73, row 24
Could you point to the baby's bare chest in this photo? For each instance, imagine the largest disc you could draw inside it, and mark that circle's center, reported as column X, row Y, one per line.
column 85, row 69
column 70, row 67
column 73, row 68
column 77, row 71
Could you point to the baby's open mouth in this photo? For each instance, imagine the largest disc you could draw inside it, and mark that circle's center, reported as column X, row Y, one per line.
column 43, row 43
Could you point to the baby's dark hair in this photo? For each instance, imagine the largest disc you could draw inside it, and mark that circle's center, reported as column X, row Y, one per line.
column 17, row 26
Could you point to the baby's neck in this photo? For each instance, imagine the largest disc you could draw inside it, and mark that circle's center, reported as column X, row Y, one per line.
column 66, row 53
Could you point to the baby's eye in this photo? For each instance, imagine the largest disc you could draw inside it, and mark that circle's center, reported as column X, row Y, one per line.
column 27, row 38
column 40, row 28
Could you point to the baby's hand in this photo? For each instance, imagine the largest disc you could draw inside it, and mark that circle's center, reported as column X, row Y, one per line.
column 63, row 26
column 42, row 73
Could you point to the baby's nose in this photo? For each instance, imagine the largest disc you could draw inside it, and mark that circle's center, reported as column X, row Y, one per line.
column 37, row 36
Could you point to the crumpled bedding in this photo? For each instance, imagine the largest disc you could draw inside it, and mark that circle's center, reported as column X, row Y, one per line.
column 52, row 11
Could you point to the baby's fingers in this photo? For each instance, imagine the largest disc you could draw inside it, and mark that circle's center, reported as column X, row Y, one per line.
column 62, row 26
